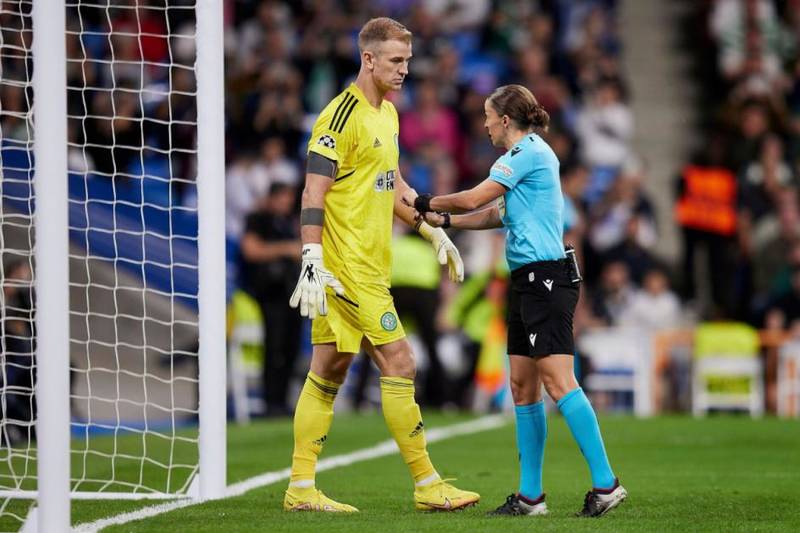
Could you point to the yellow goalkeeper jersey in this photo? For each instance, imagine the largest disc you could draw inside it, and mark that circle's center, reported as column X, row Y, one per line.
column 359, row 207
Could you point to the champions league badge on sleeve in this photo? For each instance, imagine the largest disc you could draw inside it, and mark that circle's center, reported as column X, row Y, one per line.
column 327, row 140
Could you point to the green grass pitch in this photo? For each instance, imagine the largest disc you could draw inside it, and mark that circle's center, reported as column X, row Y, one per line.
column 717, row 474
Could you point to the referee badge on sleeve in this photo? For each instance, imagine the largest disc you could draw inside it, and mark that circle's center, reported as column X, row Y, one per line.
column 327, row 140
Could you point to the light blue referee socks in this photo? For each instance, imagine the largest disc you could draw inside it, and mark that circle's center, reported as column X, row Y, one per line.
column 582, row 422
column 531, row 434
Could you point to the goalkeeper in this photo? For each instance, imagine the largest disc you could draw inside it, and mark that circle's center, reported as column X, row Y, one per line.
column 352, row 192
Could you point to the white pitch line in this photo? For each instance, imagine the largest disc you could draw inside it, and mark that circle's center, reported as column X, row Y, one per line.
column 382, row 449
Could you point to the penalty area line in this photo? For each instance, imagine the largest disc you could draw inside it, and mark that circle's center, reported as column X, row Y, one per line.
column 382, row 449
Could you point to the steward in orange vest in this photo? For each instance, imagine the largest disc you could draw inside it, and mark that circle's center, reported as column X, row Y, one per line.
column 708, row 202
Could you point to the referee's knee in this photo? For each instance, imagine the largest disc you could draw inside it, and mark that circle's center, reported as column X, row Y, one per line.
column 558, row 388
column 525, row 391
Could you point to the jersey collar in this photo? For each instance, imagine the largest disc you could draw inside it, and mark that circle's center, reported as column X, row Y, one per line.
column 360, row 96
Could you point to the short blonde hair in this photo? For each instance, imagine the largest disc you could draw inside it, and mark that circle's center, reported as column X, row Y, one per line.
column 382, row 29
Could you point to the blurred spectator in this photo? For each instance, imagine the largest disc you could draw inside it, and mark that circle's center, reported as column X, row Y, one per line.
column 458, row 15
column 604, row 129
column 611, row 300
column 770, row 252
column 245, row 183
column 634, row 249
column 761, row 184
column 573, row 182
column 623, row 221
column 534, row 73
column 276, row 165
column 170, row 121
column 653, row 307
column 18, row 408
column 754, row 123
column 429, row 122
column 114, row 133
column 271, row 257
column 783, row 313
column 746, row 30
column 13, row 120
column 250, row 177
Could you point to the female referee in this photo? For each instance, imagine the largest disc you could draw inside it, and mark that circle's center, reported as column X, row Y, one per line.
column 524, row 195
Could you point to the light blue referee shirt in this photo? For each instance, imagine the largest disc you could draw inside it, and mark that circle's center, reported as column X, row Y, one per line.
column 534, row 206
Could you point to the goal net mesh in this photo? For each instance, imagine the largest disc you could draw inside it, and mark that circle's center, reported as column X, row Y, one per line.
column 131, row 127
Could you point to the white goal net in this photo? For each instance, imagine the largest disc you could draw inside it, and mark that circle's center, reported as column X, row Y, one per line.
column 134, row 266
column 17, row 300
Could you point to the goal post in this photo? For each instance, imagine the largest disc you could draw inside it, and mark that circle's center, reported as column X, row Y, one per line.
column 211, row 233
column 51, row 265
column 116, row 201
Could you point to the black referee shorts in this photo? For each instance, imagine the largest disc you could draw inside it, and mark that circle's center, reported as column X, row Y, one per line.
column 541, row 304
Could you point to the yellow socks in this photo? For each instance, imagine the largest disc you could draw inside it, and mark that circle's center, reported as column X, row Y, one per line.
column 312, row 420
column 405, row 423
column 314, row 413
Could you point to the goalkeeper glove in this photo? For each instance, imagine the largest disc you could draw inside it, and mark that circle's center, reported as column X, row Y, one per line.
column 446, row 251
column 309, row 293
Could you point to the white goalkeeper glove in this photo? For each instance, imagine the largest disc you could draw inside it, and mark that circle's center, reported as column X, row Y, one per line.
column 446, row 251
column 309, row 293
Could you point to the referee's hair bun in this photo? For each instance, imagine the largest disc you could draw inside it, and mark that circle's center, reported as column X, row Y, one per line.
column 538, row 117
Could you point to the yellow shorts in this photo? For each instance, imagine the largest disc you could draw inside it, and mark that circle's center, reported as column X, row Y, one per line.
column 367, row 309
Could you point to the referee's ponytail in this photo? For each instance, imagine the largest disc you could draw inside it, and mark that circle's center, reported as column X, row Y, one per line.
column 521, row 106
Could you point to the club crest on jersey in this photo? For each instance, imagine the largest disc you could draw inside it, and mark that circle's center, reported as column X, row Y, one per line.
column 389, row 321
column 327, row 140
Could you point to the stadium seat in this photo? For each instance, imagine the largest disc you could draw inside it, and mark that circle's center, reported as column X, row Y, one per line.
column 789, row 380
column 245, row 351
column 621, row 361
column 727, row 371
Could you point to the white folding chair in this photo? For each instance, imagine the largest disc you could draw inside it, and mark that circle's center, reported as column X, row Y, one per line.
column 621, row 361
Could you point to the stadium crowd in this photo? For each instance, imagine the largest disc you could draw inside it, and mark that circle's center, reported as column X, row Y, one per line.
column 290, row 59
column 751, row 134
column 737, row 198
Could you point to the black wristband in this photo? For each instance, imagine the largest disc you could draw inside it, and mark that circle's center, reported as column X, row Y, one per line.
column 423, row 203
column 446, row 220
